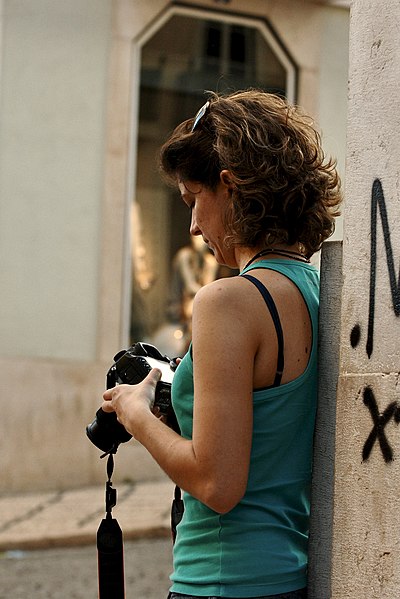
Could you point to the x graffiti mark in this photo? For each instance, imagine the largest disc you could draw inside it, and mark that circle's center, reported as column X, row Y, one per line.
column 380, row 421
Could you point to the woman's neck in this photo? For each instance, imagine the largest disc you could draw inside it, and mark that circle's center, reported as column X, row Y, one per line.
column 247, row 256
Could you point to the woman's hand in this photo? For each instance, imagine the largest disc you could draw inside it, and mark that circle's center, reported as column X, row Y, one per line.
column 130, row 402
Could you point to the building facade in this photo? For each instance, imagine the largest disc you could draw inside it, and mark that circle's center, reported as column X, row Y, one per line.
column 91, row 240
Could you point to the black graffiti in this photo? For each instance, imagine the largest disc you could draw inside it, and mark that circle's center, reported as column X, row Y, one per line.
column 355, row 336
column 392, row 411
column 378, row 200
column 380, row 421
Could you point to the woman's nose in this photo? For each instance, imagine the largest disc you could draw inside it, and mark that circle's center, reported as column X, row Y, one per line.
column 194, row 229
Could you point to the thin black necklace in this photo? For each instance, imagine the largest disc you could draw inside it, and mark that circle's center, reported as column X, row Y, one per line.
column 286, row 253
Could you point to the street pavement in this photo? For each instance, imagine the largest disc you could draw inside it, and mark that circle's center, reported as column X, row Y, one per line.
column 71, row 572
column 71, row 518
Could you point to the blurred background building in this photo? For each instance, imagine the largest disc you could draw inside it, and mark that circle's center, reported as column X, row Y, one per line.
column 94, row 249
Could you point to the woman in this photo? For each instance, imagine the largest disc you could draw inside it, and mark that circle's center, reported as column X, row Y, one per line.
column 252, row 172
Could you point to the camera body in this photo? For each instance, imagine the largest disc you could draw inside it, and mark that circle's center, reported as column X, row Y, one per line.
column 130, row 367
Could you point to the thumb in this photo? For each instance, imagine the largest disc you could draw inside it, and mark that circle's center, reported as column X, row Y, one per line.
column 154, row 376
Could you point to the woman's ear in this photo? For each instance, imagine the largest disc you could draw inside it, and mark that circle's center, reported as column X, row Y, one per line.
column 226, row 179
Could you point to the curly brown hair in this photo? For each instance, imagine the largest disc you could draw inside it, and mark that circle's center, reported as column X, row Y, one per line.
column 284, row 188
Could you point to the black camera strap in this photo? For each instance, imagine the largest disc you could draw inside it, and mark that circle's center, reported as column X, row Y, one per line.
column 110, row 546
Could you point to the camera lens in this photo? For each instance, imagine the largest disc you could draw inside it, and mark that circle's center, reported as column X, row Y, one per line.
column 105, row 432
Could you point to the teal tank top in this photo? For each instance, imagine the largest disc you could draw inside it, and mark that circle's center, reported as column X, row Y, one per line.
column 259, row 547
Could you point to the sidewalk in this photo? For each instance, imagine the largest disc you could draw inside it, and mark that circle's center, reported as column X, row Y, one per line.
column 72, row 517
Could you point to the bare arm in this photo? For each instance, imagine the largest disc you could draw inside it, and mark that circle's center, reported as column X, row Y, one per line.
column 213, row 466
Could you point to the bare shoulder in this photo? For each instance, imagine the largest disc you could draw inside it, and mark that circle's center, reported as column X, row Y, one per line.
column 235, row 290
column 227, row 294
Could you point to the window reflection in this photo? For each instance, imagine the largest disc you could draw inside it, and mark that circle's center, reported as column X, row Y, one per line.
column 185, row 57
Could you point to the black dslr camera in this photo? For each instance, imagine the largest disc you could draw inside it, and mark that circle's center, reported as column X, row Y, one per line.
column 131, row 367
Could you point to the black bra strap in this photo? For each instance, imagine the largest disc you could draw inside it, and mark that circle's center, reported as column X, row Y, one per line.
column 275, row 317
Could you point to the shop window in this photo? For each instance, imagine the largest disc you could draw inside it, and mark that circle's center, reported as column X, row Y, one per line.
column 189, row 53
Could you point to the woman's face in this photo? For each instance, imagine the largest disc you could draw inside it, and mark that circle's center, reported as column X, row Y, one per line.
column 208, row 208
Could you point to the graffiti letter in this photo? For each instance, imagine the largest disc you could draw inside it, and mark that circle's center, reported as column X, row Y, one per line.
column 378, row 199
column 380, row 421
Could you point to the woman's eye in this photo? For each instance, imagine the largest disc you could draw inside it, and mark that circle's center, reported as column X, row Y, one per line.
column 190, row 204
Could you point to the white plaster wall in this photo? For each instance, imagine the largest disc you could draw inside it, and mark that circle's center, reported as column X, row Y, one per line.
column 1, row 34
column 366, row 551
column 332, row 89
column 68, row 111
column 53, row 93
